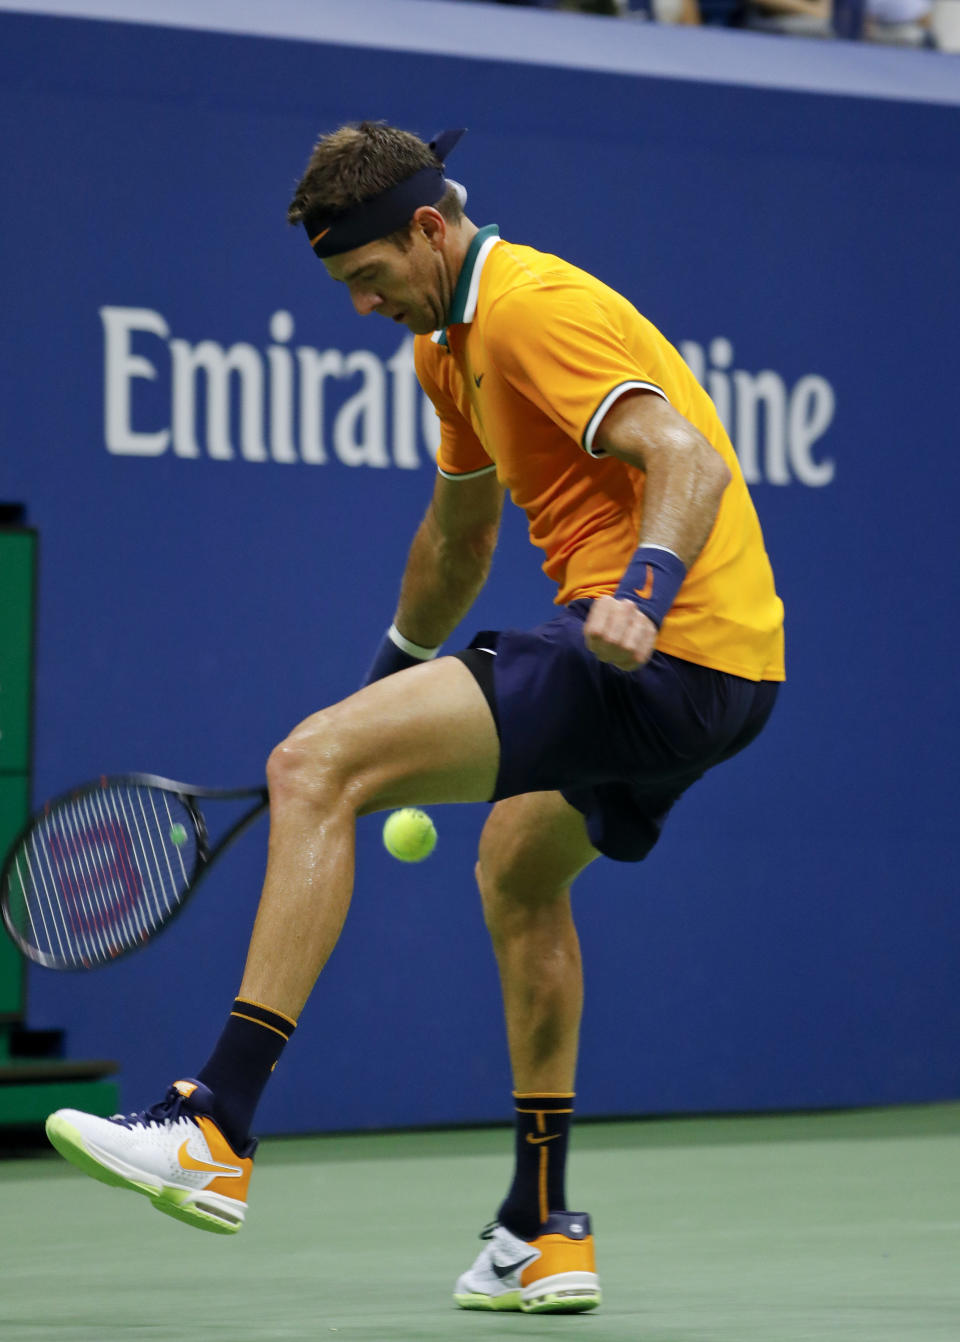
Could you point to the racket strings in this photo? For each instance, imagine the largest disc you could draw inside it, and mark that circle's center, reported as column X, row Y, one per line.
column 100, row 871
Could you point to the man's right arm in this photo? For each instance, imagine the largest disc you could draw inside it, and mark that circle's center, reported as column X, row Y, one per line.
column 446, row 568
column 450, row 557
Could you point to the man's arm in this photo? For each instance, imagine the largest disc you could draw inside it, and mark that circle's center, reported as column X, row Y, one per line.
column 685, row 480
column 447, row 566
column 450, row 557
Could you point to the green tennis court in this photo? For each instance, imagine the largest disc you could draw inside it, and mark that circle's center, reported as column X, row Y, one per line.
column 774, row 1229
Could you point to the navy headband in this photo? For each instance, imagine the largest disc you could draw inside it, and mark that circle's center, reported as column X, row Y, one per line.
column 381, row 215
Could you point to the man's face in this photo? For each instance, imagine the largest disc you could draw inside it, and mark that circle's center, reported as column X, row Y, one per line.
column 409, row 287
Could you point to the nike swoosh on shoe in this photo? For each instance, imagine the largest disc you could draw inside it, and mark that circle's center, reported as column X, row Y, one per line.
column 503, row 1272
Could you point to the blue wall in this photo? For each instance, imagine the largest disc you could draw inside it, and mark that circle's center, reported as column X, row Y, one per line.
column 794, row 939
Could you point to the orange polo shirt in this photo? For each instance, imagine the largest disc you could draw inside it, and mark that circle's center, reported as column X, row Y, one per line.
column 535, row 354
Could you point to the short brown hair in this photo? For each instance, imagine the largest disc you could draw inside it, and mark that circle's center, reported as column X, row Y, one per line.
column 359, row 161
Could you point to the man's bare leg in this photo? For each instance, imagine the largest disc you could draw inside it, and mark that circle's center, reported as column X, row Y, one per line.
column 531, row 850
column 420, row 736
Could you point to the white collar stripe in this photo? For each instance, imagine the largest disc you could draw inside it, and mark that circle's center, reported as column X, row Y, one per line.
column 470, row 307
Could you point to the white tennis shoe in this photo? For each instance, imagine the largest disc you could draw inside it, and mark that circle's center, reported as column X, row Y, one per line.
column 174, row 1153
column 554, row 1273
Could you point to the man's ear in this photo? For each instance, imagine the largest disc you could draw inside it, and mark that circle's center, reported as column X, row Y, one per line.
column 431, row 224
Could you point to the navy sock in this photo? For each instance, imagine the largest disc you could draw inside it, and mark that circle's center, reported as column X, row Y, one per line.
column 239, row 1067
column 539, row 1180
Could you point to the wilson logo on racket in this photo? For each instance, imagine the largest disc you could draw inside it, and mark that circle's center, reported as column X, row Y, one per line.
column 101, row 852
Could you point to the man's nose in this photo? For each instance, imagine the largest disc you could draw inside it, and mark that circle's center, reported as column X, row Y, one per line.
column 365, row 303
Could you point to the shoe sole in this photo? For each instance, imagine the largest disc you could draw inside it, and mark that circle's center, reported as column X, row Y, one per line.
column 182, row 1203
column 511, row 1301
column 552, row 1297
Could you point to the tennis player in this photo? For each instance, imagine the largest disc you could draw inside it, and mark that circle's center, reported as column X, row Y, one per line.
column 662, row 659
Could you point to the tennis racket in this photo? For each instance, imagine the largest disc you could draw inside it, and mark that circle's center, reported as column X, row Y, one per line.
column 99, row 871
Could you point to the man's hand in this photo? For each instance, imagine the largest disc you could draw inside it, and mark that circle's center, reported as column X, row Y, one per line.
column 618, row 632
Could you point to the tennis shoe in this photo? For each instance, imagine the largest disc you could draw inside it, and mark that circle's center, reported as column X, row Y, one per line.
column 174, row 1153
column 553, row 1273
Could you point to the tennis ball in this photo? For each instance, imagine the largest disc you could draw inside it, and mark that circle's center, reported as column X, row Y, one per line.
column 409, row 835
column 178, row 835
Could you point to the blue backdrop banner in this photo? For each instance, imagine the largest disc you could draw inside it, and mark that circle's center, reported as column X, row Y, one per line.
column 226, row 467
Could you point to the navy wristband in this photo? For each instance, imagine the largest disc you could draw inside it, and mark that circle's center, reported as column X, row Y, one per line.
column 390, row 657
column 652, row 581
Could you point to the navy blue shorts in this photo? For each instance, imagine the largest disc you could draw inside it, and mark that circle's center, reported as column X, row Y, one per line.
column 620, row 746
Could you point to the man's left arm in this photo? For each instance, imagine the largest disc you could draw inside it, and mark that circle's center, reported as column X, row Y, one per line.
column 685, row 477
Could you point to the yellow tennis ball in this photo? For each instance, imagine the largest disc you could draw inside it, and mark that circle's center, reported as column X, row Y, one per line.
column 409, row 835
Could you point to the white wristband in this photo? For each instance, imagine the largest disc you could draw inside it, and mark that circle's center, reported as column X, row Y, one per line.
column 647, row 545
column 411, row 649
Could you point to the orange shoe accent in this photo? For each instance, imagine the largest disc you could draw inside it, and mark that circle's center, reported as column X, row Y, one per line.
column 186, row 1088
column 559, row 1254
column 234, row 1176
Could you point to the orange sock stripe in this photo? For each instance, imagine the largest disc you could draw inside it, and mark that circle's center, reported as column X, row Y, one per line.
column 544, row 1094
column 263, row 1007
column 541, row 1111
column 262, row 1023
column 544, row 1205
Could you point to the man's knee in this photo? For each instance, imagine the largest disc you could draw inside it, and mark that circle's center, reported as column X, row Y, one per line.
column 531, row 850
column 496, row 870
column 511, row 893
column 311, row 765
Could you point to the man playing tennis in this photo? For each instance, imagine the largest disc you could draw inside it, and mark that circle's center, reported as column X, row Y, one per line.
column 662, row 660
